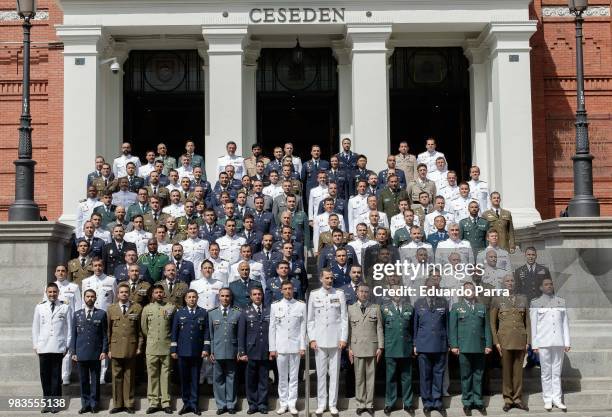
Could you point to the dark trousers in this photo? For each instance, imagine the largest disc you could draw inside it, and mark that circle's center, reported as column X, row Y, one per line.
column 189, row 369
column 257, row 384
column 89, row 377
column 398, row 368
column 431, row 377
column 471, row 366
column 51, row 373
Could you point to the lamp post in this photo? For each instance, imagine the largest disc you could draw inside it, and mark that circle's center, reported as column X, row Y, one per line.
column 583, row 204
column 24, row 208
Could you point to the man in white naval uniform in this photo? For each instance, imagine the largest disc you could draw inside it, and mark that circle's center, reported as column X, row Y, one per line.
column 220, row 265
column 397, row 221
column 138, row 235
column 51, row 338
column 85, row 210
column 460, row 205
column 361, row 242
column 454, row 244
column 316, row 195
column 439, row 175
column 70, row 294
column 195, row 250
column 357, row 205
column 372, row 202
column 450, row 190
column 327, row 333
column 119, row 164
column 551, row 339
column 230, row 244
column 287, row 344
column 105, row 287
column 430, row 155
column 256, row 271
column 175, row 209
column 439, row 205
column 207, row 288
column 479, row 190
column 231, row 159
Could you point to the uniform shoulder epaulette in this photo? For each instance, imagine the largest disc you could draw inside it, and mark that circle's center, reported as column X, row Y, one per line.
column 277, row 301
column 214, row 308
column 43, row 301
column 236, row 308
column 300, row 301
column 339, row 289
column 83, row 200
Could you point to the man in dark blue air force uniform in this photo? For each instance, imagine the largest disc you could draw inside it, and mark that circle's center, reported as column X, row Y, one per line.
column 431, row 346
column 253, row 348
column 189, row 344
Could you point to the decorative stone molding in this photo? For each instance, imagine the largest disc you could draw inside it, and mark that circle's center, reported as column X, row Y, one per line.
column 563, row 11
column 12, row 16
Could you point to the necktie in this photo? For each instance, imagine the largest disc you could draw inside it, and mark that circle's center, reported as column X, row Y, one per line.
column 170, row 286
column 106, row 183
column 259, row 311
column 133, row 286
column 155, row 217
column 191, row 311
column 497, row 212
column 119, row 247
column 52, row 306
column 475, row 220
column 89, row 241
column 154, row 190
column 171, row 234
column 124, row 307
column 224, row 312
column 399, row 309
column 362, row 309
column 89, row 315
column 248, row 235
column 178, row 266
column 268, row 255
column 316, row 165
column 82, row 262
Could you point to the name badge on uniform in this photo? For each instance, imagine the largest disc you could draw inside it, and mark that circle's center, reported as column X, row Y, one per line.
column 335, row 300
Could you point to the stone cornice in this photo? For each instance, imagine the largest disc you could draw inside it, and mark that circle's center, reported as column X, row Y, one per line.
column 35, row 231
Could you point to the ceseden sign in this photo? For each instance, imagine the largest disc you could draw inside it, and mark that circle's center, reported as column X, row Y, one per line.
column 297, row 15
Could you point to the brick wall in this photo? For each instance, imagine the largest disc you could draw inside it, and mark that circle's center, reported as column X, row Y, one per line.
column 553, row 94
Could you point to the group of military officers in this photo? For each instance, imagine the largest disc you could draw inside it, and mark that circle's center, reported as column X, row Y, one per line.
column 214, row 277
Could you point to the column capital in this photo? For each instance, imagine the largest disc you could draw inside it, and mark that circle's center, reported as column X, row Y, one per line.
column 368, row 38
column 475, row 51
column 341, row 51
column 203, row 52
column 508, row 36
column 81, row 40
column 113, row 49
column 225, row 39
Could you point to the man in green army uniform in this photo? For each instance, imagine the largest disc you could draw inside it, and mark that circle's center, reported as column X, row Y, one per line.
column 501, row 220
column 174, row 235
column 470, row 338
column 174, row 290
column 388, row 200
column 141, row 206
column 189, row 217
column 423, row 208
column 153, row 260
column 397, row 317
column 155, row 217
column 156, row 324
column 80, row 267
column 325, row 238
column 474, row 229
column 139, row 288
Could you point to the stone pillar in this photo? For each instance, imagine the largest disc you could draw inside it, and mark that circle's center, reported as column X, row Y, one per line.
column 370, row 90
column 112, row 127
column 202, row 146
column 82, row 111
column 511, row 142
column 249, row 128
column 479, row 100
column 345, row 94
column 225, row 97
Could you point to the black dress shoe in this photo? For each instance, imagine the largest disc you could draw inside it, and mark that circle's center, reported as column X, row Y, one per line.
column 370, row 410
column 387, row 410
column 168, row 410
column 427, row 409
column 409, row 409
column 45, row 410
column 359, row 411
column 507, row 407
column 263, row 411
column 232, row 411
column 116, row 410
column 95, row 409
column 221, row 411
column 183, row 410
column 55, row 410
column 130, row 410
column 521, row 406
column 251, row 411
column 197, row 412
column 152, row 410
column 84, row 410
column 467, row 410
column 482, row 409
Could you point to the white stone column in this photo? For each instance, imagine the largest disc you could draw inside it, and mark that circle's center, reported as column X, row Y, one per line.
column 511, row 160
column 249, row 91
column 345, row 94
column 112, row 97
column 202, row 146
column 225, row 97
column 82, row 111
column 477, row 56
column 370, row 91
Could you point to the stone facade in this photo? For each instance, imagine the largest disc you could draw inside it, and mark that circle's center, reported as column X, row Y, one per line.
column 552, row 87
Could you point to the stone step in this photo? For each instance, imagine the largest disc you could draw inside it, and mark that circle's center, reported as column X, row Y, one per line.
column 592, row 400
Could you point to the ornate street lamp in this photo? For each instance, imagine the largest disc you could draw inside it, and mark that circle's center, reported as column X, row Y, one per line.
column 583, row 204
column 24, row 208
column 297, row 55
